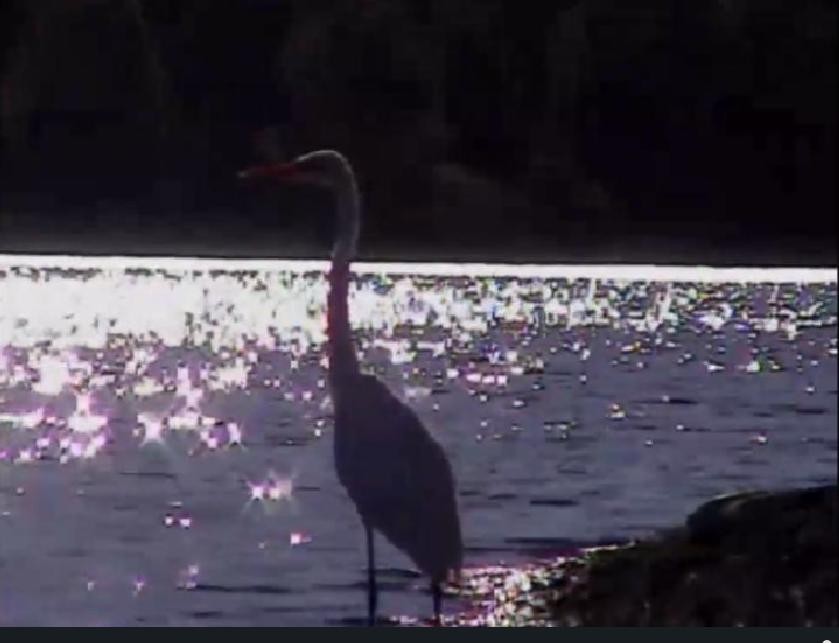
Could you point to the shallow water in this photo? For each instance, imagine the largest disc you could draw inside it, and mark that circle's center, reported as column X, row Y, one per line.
column 194, row 528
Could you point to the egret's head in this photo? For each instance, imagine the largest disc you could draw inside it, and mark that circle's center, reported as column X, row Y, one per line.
column 324, row 168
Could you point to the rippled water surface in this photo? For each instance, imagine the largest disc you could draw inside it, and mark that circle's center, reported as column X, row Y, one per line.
column 166, row 434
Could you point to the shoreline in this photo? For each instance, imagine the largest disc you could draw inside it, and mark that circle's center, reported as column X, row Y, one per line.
column 746, row 559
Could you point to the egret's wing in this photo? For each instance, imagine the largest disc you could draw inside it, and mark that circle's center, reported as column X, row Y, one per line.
column 403, row 483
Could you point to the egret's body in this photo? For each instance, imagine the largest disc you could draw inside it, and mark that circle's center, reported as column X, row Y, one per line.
column 397, row 475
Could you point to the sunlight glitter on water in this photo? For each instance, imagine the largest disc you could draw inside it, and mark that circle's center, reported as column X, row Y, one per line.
column 103, row 359
column 59, row 316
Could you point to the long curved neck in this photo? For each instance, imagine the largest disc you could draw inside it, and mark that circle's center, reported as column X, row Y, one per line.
column 341, row 349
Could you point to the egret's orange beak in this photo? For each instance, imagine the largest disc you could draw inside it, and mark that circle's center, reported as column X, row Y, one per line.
column 272, row 171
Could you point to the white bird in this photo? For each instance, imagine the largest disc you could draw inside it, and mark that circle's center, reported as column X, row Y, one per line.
column 394, row 471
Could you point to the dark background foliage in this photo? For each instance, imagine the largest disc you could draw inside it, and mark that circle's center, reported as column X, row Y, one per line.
column 584, row 130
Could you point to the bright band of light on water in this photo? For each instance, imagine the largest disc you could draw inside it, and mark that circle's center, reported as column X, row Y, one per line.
column 619, row 272
column 290, row 297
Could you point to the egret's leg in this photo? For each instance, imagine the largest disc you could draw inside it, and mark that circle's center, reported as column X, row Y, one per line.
column 437, row 599
column 371, row 578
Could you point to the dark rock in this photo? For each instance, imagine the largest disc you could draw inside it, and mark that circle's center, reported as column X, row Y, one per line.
column 754, row 559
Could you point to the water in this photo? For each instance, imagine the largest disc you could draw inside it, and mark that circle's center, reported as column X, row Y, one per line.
column 166, row 437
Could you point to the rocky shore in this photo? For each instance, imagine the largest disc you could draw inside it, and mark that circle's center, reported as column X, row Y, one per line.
column 750, row 559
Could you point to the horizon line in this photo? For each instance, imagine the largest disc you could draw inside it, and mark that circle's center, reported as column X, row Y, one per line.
column 607, row 271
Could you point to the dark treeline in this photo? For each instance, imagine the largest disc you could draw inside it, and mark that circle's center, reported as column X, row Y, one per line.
column 566, row 130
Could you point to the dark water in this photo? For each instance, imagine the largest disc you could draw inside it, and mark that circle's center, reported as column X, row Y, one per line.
column 541, row 466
